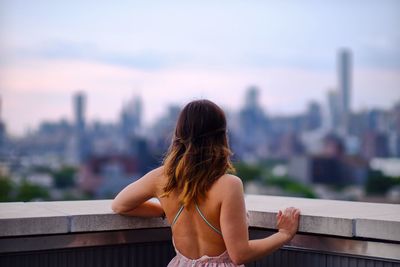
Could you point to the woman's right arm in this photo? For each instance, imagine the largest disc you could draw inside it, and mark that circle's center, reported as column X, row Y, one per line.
column 235, row 231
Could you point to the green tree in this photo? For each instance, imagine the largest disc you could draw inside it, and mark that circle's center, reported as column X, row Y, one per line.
column 65, row 177
column 28, row 191
column 378, row 183
column 291, row 186
column 6, row 189
column 248, row 172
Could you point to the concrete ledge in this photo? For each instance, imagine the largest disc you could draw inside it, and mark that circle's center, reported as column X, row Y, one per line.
column 327, row 217
column 96, row 215
column 330, row 217
column 19, row 219
column 386, row 229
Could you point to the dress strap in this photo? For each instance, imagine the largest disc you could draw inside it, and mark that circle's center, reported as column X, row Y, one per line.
column 201, row 215
column 207, row 222
column 177, row 215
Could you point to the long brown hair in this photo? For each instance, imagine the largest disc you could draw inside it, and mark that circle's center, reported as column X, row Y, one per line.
column 199, row 152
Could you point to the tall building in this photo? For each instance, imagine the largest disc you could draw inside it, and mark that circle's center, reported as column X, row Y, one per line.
column 2, row 128
column 163, row 129
column 131, row 117
column 375, row 144
column 344, row 76
column 81, row 146
column 79, row 109
column 394, row 131
column 313, row 116
column 252, row 134
column 252, row 114
column 252, row 95
column 334, row 108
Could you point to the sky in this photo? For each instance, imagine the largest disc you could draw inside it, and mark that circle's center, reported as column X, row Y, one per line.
column 171, row 52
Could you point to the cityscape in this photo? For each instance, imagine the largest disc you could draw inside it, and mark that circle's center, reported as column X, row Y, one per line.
column 329, row 152
column 90, row 94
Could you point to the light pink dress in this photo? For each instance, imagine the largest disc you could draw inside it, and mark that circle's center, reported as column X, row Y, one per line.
column 223, row 260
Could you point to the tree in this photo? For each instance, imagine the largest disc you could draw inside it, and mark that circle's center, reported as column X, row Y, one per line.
column 65, row 177
column 6, row 189
column 379, row 184
column 291, row 186
column 28, row 191
column 248, row 172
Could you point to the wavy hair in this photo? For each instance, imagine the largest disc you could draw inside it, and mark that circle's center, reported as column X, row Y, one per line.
column 199, row 152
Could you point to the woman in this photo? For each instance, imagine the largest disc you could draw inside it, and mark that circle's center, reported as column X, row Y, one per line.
column 202, row 202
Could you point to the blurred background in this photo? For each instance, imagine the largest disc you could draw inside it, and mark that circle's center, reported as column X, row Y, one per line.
column 91, row 90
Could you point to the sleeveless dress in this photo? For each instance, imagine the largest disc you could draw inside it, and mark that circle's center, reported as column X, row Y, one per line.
column 222, row 260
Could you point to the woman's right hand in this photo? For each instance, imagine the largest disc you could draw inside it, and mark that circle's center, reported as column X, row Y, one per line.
column 288, row 221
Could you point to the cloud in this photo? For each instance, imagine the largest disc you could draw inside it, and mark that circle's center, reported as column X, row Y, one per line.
column 89, row 52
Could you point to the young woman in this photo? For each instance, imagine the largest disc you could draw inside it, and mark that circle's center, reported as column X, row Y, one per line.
column 202, row 202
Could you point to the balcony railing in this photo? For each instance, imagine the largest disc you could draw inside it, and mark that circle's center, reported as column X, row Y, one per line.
column 88, row 233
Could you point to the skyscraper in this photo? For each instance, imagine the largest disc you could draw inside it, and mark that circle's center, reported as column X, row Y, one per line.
column 252, row 114
column 2, row 128
column 313, row 116
column 79, row 101
column 79, row 109
column 253, row 125
column 344, row 75
column 252, row 95
column 334, row 108
column 131, row 117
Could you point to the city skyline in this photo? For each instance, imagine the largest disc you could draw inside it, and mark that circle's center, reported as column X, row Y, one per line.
column 114, row 52
column 147, row 122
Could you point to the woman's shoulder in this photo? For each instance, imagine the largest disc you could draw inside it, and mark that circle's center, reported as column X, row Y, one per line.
column 158, row 171
column 229, row 182
column 231, row 179
column 230, row 189
column 154, row 175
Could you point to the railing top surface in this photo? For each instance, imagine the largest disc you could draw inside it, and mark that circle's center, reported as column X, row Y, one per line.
column 327, row 217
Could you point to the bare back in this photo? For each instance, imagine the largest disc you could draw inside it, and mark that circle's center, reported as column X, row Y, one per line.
column 192, row 236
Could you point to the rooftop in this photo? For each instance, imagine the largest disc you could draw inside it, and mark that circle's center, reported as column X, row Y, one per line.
column 367, row 231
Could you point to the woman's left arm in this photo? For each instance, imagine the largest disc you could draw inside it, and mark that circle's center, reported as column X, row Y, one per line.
column 134, row 199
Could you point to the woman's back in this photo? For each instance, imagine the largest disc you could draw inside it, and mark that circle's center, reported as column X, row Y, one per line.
column 192, row 235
